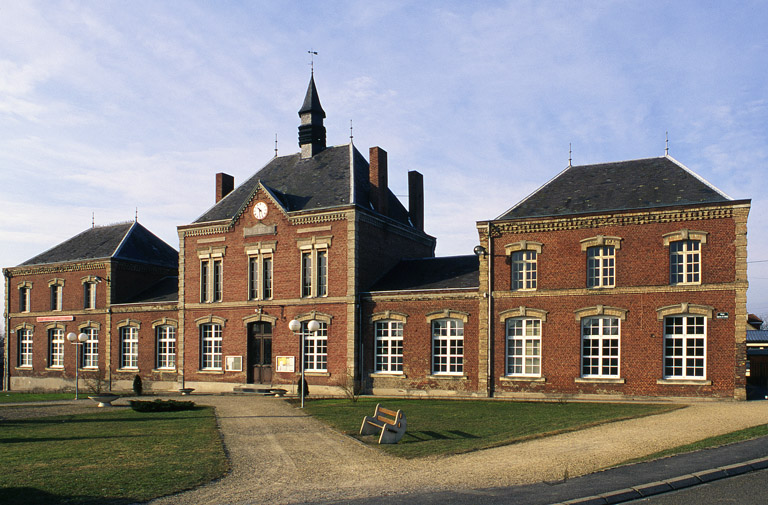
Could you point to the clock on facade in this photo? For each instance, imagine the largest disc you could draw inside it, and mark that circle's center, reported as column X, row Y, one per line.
column 260, row 210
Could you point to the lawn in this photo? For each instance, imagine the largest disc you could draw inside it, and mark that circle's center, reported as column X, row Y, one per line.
column 114, row 456
column 438, row 427
column 13, row 397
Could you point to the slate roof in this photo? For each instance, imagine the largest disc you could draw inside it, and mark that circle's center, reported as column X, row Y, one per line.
column 126, row 241
column 320, row 182
column 452, row 272
column 312, row 99
column 624, row 185
column 757, row 336
column 166, row 290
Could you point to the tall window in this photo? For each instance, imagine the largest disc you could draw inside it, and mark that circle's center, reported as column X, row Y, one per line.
column 89, row 295
column 601, row 267
column 524, row 347
column 600, row 347
column 24, row 298
column 306, row 274
column 25, row 347
column 314, row 273
column 129, row 347
column 389, row 346
column 315, row 348
column 448, row 346
column 524, row 270
column 253, row 278
column 56, row 348
column 210, row 280
column 260, row 277
column 684, row 262
column 266, row 268
column 90, row 349
column 210, row 340
column 56, row 296
column 322, row 273
column 685, row 347
column 166, row 347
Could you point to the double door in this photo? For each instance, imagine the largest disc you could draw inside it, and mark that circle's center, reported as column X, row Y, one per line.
column 259, row 368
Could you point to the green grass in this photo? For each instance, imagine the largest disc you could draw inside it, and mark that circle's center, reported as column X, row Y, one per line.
column 114, row 456
column 12, row 397
column 438, row 427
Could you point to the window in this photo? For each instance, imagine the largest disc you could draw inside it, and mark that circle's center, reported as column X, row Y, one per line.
column 266, row 268
column 210, row 280
column 260, row 267
column 523, row 270
column 56, row 296
column 56, row 348
column 601, row 267
column 306, row 274
column 90, row 349
column 684, row 347
column 389, row 346
column 684, row 262
column 210, row 337
column 314, row 266
column 89, row 295
column 129, row 347
column 448, row 346
column 322, row 273
column 600, row 347
column 25, row 347
column 166, row 347
column 24, row 298
column 524, row 347
column 315, row 347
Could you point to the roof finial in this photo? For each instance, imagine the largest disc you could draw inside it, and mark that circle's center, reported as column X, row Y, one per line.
column 93, row 220
column 350, row 131
column 136, row 216
column 275, row 145
column 666, row 149
column 312, row 55
column 570, row 154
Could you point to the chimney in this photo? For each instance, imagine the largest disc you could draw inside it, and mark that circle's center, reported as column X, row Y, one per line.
column 416, row 199
column 225, row 183
column 379, row 195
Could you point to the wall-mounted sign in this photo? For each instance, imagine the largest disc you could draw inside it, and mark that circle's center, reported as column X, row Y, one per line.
column 286, row 363
column 722, row 315
column 51, row 319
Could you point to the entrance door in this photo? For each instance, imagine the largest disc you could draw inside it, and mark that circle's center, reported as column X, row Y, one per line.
column 259, row 353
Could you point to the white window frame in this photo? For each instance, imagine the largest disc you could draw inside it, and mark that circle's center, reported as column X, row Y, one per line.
column 57, row 296
column 129, row 348
column 26, row 347
column 313, row 266
column 601, row 266
column 389, row 346
column 210, row 346
column 604, row 355
column 56, row 348
column 260, row 273
column 315, row 347
column 523, row 347
column 689, row 355
column 25, row 298
column 448, row 346
column 89, row 295
column 165, row 335
column 89, row 358
column 211, row 274
column 685, row 262
column 524, row 270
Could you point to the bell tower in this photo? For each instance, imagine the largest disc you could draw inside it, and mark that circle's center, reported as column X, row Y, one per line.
column 311, row 130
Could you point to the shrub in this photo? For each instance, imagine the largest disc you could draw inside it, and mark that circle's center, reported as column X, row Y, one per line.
column 137, row 386
column 161, row 405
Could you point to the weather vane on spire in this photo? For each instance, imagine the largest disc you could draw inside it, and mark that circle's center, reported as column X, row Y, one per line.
column 312, row 55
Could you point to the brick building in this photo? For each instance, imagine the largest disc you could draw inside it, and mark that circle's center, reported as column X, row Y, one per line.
column 621, row 280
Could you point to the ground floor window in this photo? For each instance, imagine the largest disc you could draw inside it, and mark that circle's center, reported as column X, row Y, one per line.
column 389, row 346
column 600, row 347
column 524, row 347
column 166, row 347
column 210, row 336
column 56, row 348
column 25, row 348
column 685, row 347
column 315, row 348
column 90, row 349
column 129, row 347
column 448, row 346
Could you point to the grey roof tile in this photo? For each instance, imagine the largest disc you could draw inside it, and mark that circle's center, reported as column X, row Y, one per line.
column 451, row 272
column 166, row 290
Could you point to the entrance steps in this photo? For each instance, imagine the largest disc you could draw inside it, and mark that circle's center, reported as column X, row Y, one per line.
column 260, row 389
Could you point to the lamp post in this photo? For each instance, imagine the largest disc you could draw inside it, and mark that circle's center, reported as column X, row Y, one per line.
column 77, row 340
column 295, row 326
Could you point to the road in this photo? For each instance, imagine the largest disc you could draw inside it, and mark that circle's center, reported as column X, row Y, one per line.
column 747, row 489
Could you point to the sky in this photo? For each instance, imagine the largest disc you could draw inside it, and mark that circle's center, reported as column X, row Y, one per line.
column 111, row 109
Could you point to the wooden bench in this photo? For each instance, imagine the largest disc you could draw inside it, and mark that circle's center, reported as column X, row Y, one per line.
column 390, row 424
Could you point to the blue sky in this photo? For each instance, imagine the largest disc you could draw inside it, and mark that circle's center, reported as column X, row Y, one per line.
column 106, row 107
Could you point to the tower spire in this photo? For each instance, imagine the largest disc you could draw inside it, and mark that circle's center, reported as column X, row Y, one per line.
column 311, row 130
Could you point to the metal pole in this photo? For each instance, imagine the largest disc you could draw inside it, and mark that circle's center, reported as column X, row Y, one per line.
column 302, row 369
column 77, row 371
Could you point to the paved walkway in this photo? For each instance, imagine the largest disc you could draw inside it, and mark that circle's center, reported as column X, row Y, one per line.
column 281, row 456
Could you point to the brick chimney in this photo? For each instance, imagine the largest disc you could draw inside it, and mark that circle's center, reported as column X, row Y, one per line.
column 416, row 199
column 379, row 195
column 225, row 183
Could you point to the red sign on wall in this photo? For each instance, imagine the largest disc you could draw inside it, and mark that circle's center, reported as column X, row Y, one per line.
column 50, row 319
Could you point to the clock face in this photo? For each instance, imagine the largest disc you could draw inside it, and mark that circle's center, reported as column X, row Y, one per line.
column 260, row 210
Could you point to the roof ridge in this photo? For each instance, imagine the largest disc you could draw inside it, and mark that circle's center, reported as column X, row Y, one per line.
column 518, row 204
column 697, row 176
column 125, row 237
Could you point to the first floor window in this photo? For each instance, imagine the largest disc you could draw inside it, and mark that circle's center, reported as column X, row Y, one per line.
column 600, row 347
column 210, row 358
column 25, row 348
column 90, row 349
column 166, row 347
column 524, row 347
column 315, row 348
column 389, row 346
column 314, row 273
column 56, row 348
column 259, row 277
column 210, row 280
column 684, row 262
column 129, row 347
column 448, row 346
column 684, row 347
column 524, row 270
column 306, row 274
column 24, row 293
column 56, row 296
column 266, row 269
column 601, row 270
column 89, row 295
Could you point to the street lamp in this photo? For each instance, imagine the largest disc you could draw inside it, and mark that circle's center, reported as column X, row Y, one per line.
column 295, row 326
column 77, row 340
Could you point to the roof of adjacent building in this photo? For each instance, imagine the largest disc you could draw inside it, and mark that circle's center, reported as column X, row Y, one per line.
column 125, row 241
column 757, row 336
column 452, row 272
column 335, row 177
column 617, row 186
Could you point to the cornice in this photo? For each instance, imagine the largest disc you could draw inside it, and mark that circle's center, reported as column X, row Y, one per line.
column 50, row 268
column 629, row 290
